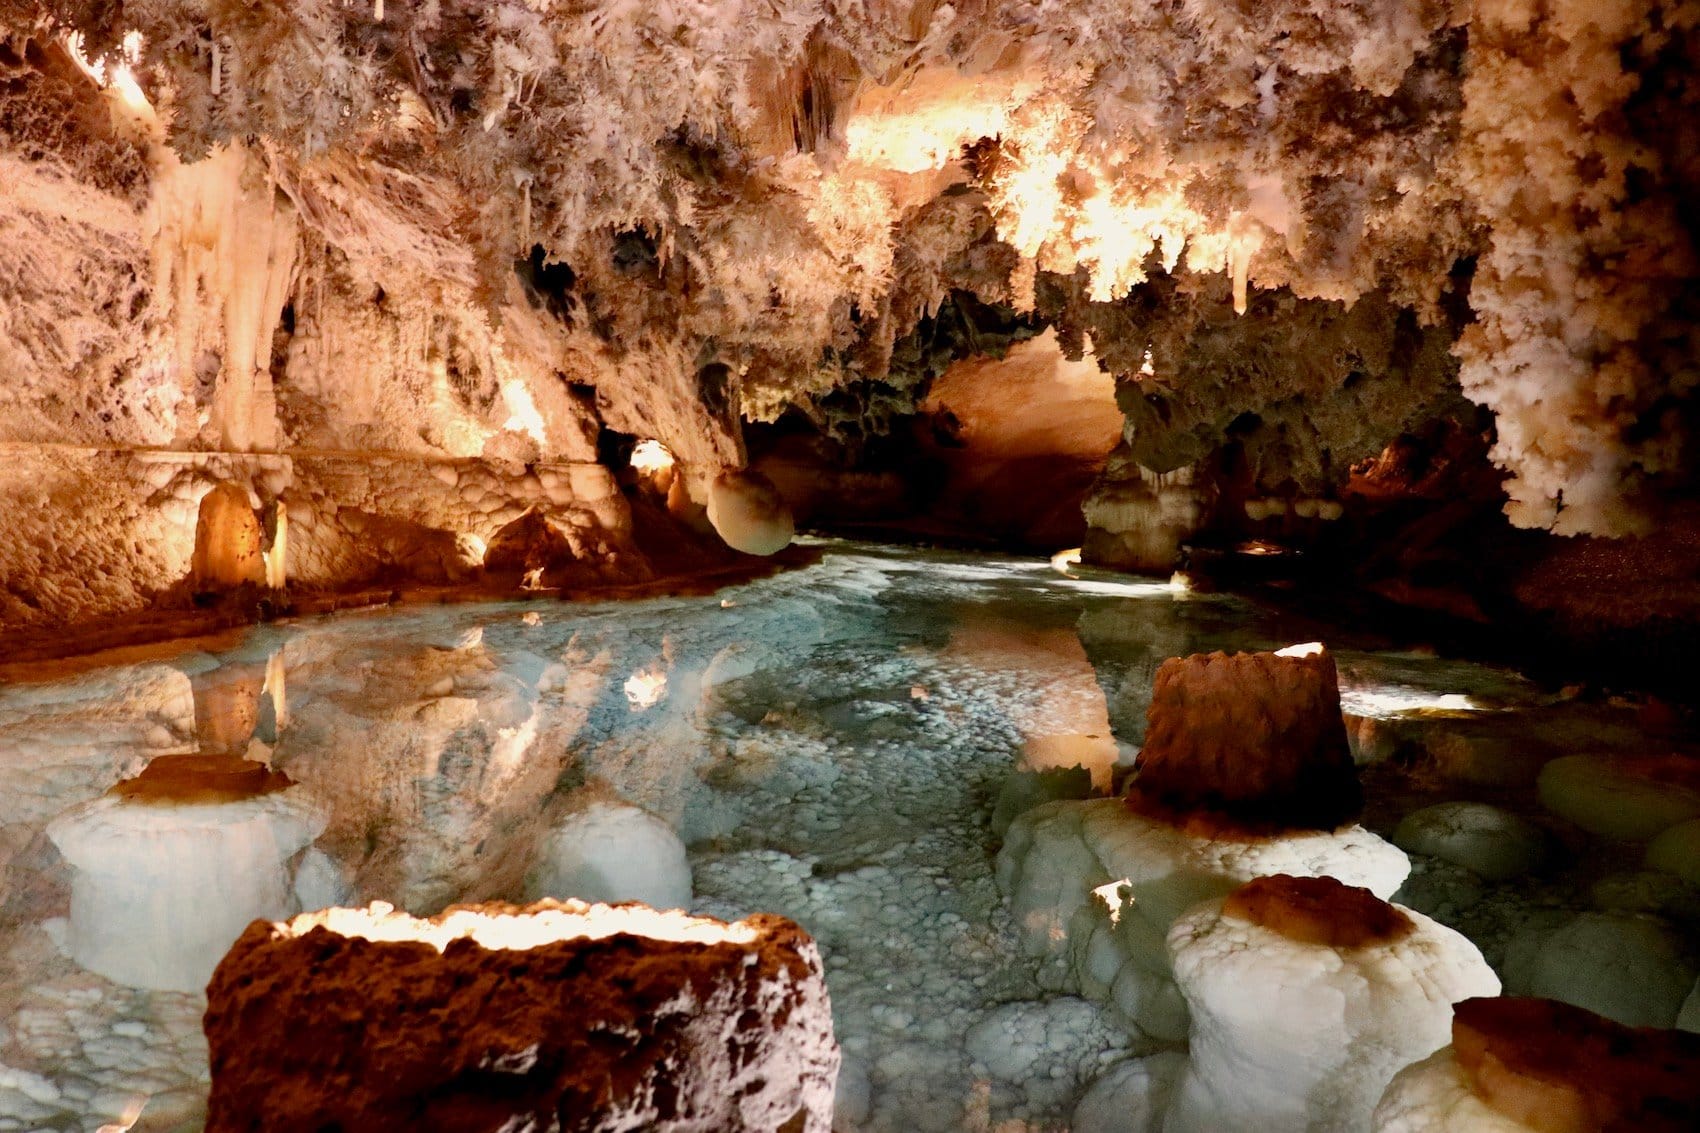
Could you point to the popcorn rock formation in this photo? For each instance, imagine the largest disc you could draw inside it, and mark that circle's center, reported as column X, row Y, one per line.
column 555, row 1015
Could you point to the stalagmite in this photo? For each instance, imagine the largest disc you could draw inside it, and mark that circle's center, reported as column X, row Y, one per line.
column 564, row 1015
column 1307, row 996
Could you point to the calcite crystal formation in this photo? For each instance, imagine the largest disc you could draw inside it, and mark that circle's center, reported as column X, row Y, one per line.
column 1257, row 736
column 1521, row 1065
column 556, row 1015
column 1307, row 997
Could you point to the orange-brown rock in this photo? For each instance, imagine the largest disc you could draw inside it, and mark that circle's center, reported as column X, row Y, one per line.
column 1318, row 910
column 558, row 1015
column 530, row 543
column 1258, row 736
column 1560, row 1069
column 201, row 779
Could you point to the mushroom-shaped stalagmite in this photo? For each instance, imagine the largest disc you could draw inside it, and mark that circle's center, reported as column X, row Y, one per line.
column 1095, row 885
column 1307, row 996
column 1521, row 1065
column 171, row 866
column 749, row 514
column 558, row 1015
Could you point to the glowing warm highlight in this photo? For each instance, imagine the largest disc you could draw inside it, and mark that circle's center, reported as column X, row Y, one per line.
column 544, row 923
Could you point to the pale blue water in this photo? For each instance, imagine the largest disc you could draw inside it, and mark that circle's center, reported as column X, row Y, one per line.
column 831, row 744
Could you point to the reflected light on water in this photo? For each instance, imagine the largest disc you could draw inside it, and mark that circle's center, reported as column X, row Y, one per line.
column 1063, row 560
column 132, row 1114
column 1113, row 894
column 1392, row 700
column 646, row 687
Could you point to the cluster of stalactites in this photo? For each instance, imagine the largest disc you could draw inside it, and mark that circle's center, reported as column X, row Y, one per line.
column 782, row 167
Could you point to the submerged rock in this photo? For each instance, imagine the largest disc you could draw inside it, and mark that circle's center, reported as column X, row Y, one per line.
column 613, row 851
column 1626, row 967
column 1485, row 840
column 553, row 1016
column 1634, row 798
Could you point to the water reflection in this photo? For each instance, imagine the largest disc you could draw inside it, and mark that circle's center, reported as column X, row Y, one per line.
column 169, row 868
column 841, row 744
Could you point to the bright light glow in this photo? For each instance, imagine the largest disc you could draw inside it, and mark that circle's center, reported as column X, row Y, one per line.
column 523, row 416
column 1180, row 583
column 1307, row 649
column 1145, row 365
column 646, row 687
column 543, row 923
column 532, row 579
column 1390, row 700
column 1115, row 898
column 278, row 555
column 132, row 1114
column 651, row 457
column 121, row 80
column 1121, row 589
column 923, row 119
column 1063, row 560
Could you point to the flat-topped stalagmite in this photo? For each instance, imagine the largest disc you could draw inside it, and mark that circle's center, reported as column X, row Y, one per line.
column 1256, row 736
column 555, row 1015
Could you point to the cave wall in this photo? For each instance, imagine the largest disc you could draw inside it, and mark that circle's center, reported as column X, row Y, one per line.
column 171, row 331
column 456, row 232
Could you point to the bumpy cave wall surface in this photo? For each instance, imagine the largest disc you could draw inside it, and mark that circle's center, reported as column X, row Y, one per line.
column 267, row 243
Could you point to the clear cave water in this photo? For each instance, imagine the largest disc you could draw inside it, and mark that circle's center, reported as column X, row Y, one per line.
column 838, row 743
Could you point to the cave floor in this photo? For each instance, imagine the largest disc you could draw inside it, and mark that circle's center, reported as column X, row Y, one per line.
column 835, row 743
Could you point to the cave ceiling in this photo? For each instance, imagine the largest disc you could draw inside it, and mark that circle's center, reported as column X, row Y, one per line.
column 703, row 213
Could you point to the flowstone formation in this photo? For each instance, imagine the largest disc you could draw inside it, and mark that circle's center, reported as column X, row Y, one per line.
column 471, row 238
column 555, row 1015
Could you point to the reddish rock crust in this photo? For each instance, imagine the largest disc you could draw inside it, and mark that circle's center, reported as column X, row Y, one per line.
column 1257, row 737
column 1560, row 1069
column 323, row 1031
column 1318, row 910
